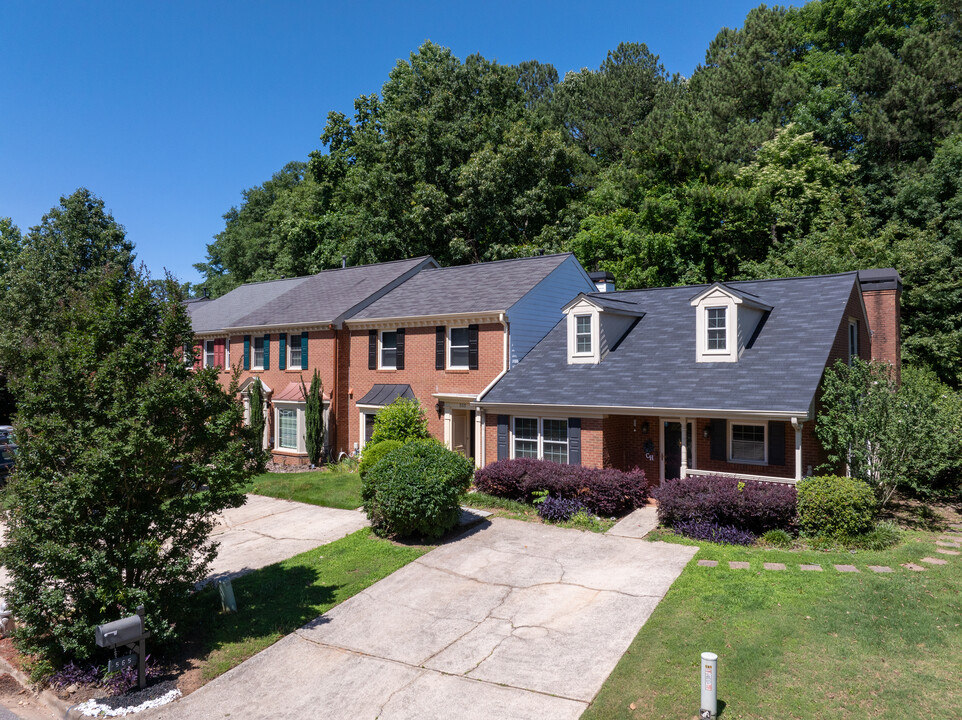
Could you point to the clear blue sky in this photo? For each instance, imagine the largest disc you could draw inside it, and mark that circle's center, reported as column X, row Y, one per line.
column 168, row 110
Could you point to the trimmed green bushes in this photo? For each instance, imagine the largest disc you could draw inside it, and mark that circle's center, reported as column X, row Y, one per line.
column 374, row 452
column 416, row 490
column 835, row 506
column 402, row 420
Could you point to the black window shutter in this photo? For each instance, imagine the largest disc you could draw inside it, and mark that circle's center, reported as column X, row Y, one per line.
column 504, row 452
column 247, row 352
column 439, row 333
column 372, row 349
column 303, row 351
column 472, row 347
column 282, row 351
column 267, row 352
column 776, row 443
column 399, row 362
column 574, row 441
column 719, row 439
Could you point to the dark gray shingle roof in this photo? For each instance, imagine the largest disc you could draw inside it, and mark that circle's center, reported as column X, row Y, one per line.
column 386, row 394
column 326, row 297
column 483, row 287
column 654, row 366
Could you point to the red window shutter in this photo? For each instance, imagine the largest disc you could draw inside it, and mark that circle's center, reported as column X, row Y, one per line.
column 198, row 357
column 219, row 352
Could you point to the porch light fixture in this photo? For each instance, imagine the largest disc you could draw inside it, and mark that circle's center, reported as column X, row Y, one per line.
column 644, row 428
column 439, row 407
column 706, row 433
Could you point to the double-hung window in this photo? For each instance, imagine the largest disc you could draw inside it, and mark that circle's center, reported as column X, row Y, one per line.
column 852, row 340
column 717, row 328
column 294, row 352
column 209, row 357
column 541, row 439
column 389, row 350
column 458, row 348
column 287, row 428
column 748, row 443
column 583, row 334
column 258, row 359
column 526, row 438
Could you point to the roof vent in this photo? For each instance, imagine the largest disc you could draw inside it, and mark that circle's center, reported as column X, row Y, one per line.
column 343, row 261
column 603, row 280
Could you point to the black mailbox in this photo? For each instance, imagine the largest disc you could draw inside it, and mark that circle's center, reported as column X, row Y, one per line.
column 120, row 632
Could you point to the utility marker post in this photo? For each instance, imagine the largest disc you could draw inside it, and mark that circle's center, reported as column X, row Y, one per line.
column 709, row 686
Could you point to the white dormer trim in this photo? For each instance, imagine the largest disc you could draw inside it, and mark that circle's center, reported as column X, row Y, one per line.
column 739, row 308
column 593, row 312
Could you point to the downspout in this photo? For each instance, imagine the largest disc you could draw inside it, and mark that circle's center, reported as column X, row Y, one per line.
column 503, row 319
column 335, row 395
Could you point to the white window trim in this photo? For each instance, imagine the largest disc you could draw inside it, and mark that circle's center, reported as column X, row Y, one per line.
column 712, row 302
column 540, row 439
column 282, row 407
column 213, row 353
column 380, row 349
column 718, row 351
column 450, row 364
column 290, row 352
column 584, row 309
column 227, row 353
column 591, row 336
column 731, row 432
column 254, row 365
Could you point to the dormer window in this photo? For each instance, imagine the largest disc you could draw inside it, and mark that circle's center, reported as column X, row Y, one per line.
column 583, row 334
column 717, row 328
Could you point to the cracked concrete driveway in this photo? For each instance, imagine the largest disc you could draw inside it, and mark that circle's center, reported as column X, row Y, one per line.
column 511, row 620
column 266, row 530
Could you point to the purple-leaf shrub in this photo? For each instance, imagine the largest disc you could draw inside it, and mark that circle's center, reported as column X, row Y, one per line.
column 713, row 532
column 555, row 509
column 603, row 491
column 750, row 505
column 72, row 673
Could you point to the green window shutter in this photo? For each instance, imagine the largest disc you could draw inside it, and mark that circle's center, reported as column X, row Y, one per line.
column 303, row 351
column 267, row 352
column 247, row 352
column 282, row 351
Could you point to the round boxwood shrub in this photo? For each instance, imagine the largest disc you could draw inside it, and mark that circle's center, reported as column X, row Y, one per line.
column 374, row 452
column 402, row 420
column 835, row 506
column 416, row 490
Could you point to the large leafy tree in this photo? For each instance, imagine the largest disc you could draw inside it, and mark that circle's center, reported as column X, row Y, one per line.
column 126, row 455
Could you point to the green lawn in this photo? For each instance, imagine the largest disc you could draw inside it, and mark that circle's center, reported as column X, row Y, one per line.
column 330, row 488
column 795, row 644
column 515, row 510
column 276, row 600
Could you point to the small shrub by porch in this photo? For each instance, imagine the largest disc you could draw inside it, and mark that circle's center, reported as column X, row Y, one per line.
column 605, row 491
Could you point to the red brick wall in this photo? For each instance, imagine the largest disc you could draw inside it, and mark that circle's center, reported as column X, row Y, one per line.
column 419, row 372
column 885, row 320
column 592, row 442
column 704, row 461
column 624, row 444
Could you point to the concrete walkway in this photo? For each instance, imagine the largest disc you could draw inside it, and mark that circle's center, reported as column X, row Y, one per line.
column 267, row 530
column 511, row 620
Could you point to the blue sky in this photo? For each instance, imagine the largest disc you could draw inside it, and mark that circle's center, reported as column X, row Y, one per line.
column 168, row 110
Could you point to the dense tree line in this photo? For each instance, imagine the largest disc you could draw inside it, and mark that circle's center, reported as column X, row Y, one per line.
column 814, row 139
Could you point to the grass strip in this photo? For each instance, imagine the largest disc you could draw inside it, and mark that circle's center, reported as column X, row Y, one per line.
column 276, row 600
column 327, row 488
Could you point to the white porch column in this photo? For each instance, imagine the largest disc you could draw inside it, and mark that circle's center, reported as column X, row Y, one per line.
column 448, row 428
column 684, row 448
column 798, row 448
column 478, row 440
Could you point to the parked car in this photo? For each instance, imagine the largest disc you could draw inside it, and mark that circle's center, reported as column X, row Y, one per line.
column 6, row 435
column 8, row 456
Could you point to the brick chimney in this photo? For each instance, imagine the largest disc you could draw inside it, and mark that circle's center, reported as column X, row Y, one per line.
column 882, row 295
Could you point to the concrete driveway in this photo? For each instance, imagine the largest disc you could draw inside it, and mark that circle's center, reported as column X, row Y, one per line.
column 512, row 620
column 265, row 530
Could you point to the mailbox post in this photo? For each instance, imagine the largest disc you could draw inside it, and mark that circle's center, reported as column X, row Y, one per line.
column 129, row 632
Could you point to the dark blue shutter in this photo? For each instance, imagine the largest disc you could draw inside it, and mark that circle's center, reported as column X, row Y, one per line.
column 776, row 443
column 247, row 352
column 719, row 439
column 574, row 441
column 472, row 347
column 372, row 349
column 399, row 362
column 303, row 351
column 504, row 451
column 282, row 351
column 439, row 333
column 267, row 352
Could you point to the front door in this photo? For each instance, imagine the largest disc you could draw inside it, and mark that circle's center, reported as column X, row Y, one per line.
column 462, row 432
column 673, row 449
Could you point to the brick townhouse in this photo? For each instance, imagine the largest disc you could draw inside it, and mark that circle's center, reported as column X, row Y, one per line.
column 730, row 372
column 281, row 331
column 445, row 335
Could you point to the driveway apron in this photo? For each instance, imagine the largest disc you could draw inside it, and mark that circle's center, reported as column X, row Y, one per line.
column 510, row 620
